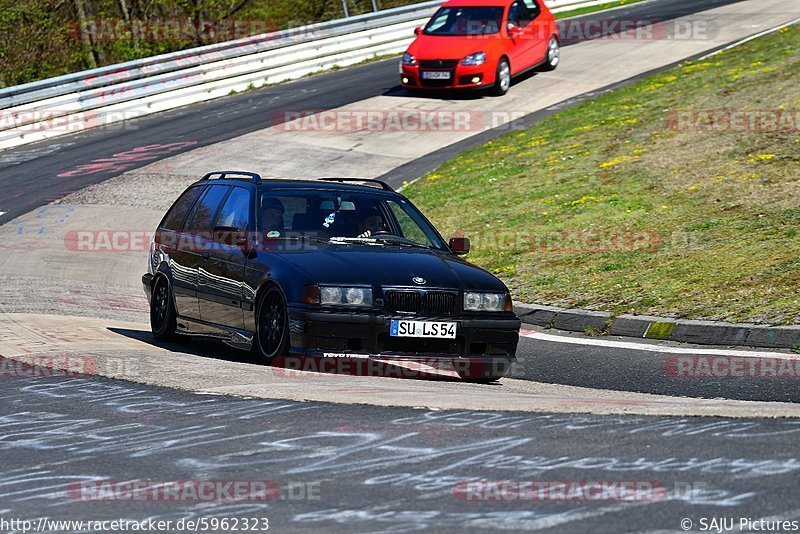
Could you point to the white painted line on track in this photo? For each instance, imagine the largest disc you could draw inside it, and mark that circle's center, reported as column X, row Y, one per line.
column 632, row 345
column 752, row 37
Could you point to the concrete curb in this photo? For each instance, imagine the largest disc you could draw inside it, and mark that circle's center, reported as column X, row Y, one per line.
column 643, row 326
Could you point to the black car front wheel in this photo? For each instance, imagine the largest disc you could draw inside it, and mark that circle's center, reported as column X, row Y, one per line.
column 163, row 319
column 272, row 326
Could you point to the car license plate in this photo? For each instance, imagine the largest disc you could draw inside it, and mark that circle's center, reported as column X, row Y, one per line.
column 436, row 75
column 403, row 328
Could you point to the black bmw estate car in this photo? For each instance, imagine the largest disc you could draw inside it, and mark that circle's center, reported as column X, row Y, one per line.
column 327, row 268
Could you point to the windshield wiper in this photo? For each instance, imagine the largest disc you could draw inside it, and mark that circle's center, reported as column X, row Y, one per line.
column 313, row 239
column 396, row 241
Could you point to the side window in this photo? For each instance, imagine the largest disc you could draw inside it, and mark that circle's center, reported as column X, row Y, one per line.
column 202, row 215
column 174, row 218
column 236, row 211
column 533, row 8
column 518, row 14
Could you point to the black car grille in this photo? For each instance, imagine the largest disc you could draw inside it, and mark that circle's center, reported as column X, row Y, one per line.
column 439, row 303
column 438, row 63
column 421, row 302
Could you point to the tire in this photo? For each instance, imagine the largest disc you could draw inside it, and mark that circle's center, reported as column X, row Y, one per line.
column 272, row 326
column 163, row 318
column 484, row 372
column 502, row 78
column 553, row 57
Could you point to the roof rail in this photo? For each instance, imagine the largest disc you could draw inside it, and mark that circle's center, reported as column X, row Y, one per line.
column 366, row 181
column 233, row 175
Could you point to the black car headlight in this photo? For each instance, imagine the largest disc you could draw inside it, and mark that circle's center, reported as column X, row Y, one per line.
column 492, row 302
column 345, row 296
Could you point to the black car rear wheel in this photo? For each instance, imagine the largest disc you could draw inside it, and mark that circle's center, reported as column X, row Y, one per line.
column 272, row 326
column 163, row 321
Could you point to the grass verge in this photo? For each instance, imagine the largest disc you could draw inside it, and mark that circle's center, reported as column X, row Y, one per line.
column 607, row 206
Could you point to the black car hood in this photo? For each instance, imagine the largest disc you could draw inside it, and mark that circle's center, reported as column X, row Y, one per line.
column 381, row 265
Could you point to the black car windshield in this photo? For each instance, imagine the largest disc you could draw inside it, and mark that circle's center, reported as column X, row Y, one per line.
column 465, row 21
column 344, row 217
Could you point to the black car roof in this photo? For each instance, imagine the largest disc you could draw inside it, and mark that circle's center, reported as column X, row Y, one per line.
column 353, row 185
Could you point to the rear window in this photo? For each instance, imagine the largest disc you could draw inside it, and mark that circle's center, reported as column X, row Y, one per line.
column 174, row 218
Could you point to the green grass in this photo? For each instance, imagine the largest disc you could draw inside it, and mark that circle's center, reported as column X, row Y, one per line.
column 719, row 209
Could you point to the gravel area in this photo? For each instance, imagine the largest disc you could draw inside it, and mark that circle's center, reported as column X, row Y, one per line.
column 135, row 189
column 38, row 295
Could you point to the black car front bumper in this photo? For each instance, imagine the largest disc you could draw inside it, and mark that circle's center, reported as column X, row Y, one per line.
column 324, row 333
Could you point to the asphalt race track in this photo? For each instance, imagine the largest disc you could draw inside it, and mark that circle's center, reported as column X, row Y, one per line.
column 347, row 468
column 349, row 451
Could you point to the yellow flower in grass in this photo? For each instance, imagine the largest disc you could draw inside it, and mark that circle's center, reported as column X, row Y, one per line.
column 537, row 141
column 615, row 161
column 755, row 158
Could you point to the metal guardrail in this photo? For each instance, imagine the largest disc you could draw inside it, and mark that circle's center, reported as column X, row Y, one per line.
column 83, row 100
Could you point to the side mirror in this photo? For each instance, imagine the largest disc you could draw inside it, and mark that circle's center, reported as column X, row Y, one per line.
column 418, row 30
column 459, row 245
column 513, row 30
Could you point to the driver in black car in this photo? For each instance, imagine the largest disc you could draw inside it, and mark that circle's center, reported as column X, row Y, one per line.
column 272, row 217
column 370, row 223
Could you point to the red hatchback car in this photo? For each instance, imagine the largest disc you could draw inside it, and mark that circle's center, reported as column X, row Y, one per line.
column 475, row 44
